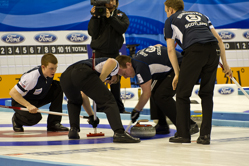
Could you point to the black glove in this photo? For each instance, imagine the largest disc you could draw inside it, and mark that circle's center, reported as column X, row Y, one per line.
column 134, row 115
column 93, row 122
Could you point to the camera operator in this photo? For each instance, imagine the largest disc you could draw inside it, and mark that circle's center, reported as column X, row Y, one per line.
column 107, row 31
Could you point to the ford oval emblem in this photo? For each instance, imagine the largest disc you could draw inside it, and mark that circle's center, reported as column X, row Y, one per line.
column 226, row 35
column 13, row 38
column 77, row 37
column 246, row 34
column 226, row 90
column 45, row 38
column 126, row 95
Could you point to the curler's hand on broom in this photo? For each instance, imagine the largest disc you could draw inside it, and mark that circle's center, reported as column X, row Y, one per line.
column 93, row 122
column 226, row 69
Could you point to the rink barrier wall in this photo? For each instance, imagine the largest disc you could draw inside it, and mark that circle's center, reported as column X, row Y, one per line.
column 132, row 94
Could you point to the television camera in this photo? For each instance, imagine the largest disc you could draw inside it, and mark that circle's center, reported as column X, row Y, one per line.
column 100, row 9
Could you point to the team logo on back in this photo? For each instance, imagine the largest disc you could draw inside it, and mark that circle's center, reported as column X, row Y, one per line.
column 193, row 18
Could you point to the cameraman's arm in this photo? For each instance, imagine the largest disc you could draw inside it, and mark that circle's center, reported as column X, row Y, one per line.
column 119, row 23
column 93, row 27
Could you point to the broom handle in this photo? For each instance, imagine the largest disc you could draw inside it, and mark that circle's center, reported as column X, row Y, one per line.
column 94, row 104
column 233, row 79
column 93, row 67
column 46, row 112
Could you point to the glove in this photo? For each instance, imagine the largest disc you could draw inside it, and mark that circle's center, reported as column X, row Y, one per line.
column 134, row 115
column 93, row 122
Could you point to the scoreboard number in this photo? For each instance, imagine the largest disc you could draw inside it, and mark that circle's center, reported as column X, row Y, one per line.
column 236, row 45
column 43, row 49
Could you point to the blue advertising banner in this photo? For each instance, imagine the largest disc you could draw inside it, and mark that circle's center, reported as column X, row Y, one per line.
column 147, row 17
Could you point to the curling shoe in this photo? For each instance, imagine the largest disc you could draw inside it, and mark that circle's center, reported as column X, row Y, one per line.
column 16, row 126
column 57, row 127
column 193, row 129
column 205, row 140
column 162, row 129
column 73, row 133
column 177, row 139
column 124, row 138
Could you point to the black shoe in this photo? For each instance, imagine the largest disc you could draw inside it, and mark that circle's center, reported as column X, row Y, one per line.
column 73, row 133
column 16, row 127
column 162, row 129
column 125, row 112
column 205, row 140
column 57, row 127
column 124, row 138
column 179, row 140
column 193, row 129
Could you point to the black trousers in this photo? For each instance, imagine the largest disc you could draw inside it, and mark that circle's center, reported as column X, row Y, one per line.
column 199, row 60
column 82, row 78
column 115, row 88
column 162, row 103
column 54, row 96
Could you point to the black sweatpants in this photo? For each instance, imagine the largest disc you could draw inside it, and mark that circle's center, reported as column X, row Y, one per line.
column 54, row 96
column 115, row 88
column 162, row 103
column 198, row 60
column 81, row 77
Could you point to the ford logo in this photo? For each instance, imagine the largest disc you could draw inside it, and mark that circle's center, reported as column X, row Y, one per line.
column 126, row 95
column 246, row 34
column 197, row 91
column 45, row 38
column 226, row 90
column 226, row 35
column 77, row 37
column 13, row 38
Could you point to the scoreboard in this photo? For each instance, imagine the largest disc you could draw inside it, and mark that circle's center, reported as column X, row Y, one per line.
column 236, row 42
column 236, row 45
column 43, row 49
column 33, row 43
column 21, row 51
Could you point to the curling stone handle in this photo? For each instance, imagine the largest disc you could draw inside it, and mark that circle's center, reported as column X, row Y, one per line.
column 142, row 120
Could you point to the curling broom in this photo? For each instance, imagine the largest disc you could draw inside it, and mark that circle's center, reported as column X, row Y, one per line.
column 234, row 80
column 40, row 111
column 95, row 134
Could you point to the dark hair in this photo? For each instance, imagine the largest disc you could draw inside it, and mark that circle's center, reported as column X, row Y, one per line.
column 48, row 58
column 175, row 4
